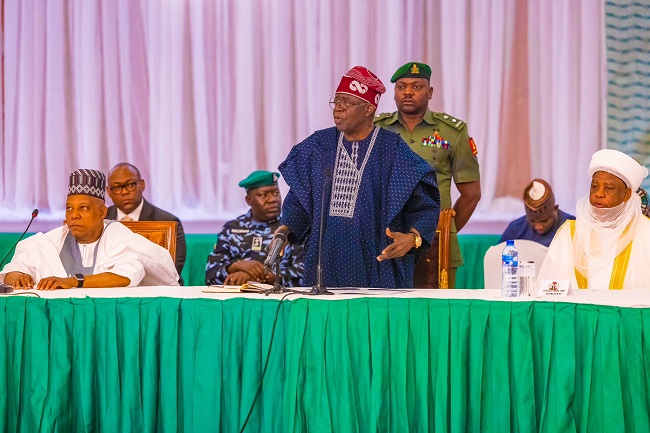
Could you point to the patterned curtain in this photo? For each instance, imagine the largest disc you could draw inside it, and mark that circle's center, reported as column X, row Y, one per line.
column 628, row 63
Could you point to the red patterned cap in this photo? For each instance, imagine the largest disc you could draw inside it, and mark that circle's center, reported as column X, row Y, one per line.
column 362, row 83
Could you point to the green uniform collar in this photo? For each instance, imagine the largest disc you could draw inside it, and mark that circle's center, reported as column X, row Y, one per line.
column 429, row 118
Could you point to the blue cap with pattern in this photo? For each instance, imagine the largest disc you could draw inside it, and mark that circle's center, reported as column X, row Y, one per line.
column 87, row 181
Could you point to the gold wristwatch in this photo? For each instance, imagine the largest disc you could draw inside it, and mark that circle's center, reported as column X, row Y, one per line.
column 418, row 238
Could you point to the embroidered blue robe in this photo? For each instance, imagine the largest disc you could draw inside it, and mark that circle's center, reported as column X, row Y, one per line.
column 398, row 190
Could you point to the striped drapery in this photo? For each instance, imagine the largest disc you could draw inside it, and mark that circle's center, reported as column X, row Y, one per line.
column 628, row 63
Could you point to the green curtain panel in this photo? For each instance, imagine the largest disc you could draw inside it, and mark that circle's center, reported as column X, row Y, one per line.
column 469, row 276
column 360, row 365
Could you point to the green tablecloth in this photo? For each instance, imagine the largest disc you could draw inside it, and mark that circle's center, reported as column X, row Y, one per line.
column 362, row 365
column 469, row 276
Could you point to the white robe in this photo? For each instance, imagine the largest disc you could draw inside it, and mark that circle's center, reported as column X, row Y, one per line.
column 120, row 251
column 559, row 264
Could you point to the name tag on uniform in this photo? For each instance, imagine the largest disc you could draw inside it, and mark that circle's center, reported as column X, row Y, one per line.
column 240, row 231
column 257, row 244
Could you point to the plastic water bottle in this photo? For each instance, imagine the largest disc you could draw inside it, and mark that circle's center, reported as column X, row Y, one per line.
column 509, row 271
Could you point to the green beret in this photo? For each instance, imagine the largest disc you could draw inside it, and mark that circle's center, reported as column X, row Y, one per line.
column 412, row 70
column 260, row 178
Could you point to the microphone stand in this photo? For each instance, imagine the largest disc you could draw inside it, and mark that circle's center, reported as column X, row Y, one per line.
column 319, row 288
column 277, row 285
column 6, row 288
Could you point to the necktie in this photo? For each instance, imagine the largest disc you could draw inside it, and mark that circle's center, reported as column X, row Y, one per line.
column 126, row 218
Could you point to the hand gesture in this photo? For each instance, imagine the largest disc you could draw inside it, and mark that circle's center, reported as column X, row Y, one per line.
column 402, row 244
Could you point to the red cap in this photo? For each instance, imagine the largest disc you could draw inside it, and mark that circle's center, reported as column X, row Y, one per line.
column 362, row 83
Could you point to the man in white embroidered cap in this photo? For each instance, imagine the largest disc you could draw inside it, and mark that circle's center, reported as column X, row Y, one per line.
column 88, row 251
column 381, row 200
column 607, row 246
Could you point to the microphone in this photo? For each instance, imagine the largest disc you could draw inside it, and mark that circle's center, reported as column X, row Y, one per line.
column 34, row 215
column 319, row 288
column 6, row 288
column 279, row 239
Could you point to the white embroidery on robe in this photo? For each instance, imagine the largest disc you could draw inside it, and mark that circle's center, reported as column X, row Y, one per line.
column 347, row 178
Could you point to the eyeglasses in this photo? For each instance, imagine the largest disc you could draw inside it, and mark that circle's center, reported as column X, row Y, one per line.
column 129, row 187
column 343, row 105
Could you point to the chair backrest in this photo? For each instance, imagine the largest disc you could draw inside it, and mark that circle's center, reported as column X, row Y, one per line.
column 432, row 269
column 528, row 251
column 162, row 233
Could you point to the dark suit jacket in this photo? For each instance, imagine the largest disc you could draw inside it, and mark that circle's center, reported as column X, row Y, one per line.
column 152, row 213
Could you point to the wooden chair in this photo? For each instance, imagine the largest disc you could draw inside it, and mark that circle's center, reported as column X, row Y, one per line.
column 162, row 233
column 432, row 268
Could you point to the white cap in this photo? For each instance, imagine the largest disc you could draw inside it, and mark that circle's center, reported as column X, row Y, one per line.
column 620, row 165
column 537, row 190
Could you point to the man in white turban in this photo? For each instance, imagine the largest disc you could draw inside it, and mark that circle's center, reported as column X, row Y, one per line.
column 608, row 245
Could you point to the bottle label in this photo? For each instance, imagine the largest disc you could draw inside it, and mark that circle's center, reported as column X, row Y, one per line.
column 509, row 260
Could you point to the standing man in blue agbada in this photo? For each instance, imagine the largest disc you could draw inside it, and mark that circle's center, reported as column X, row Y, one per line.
column 443, row 141
column 382, row 200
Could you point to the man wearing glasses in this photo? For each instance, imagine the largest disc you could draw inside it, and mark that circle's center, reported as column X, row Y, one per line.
column 381, row 200
column 125, row 188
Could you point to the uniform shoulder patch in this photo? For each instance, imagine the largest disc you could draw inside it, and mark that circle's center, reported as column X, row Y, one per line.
column 450, row 120
column 382, row 116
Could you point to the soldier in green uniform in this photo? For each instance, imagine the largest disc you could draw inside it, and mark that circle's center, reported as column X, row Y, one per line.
column 442, row 140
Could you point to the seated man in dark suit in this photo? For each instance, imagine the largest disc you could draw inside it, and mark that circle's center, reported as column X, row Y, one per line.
column 125, row 188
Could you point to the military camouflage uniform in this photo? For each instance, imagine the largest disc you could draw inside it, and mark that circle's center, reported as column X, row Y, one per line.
column 444, row 142
column 246, row 239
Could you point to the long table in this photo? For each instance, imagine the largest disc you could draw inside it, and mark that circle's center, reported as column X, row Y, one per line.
column 177, row 359
column 469, row 276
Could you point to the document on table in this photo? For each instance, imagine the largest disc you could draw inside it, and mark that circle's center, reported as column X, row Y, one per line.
column 222, row 289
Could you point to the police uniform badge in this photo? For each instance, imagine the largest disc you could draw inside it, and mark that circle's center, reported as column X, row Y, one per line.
column 257, row 244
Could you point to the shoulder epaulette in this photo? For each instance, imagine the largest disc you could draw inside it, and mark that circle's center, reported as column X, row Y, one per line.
column 450, row 120
column 382, row 116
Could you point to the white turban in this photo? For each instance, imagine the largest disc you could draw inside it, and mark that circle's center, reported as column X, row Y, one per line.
column 620, row 165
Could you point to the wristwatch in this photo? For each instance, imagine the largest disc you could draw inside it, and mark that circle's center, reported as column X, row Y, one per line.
column 418, row 239
column 80, row 280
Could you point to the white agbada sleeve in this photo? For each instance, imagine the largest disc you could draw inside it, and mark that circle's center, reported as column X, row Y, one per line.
column 558, row 263
column 38, row 256
column 116, row 255
column 126, row 247
column 636, row 277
